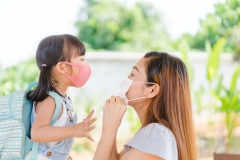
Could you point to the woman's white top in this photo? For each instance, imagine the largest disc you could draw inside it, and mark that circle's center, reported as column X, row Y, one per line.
column 154, row 139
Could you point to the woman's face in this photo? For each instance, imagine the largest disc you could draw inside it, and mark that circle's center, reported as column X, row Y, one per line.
column 137, row 90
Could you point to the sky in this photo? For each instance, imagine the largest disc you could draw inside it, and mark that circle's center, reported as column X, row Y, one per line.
column 23, row 23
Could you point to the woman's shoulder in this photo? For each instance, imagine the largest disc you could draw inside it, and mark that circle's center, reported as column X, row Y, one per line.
column 155, row 139
column 156, row 129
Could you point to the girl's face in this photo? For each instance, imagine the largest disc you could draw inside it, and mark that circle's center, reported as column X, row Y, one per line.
column 72, row 70
column 63, row 68
column 137, row 90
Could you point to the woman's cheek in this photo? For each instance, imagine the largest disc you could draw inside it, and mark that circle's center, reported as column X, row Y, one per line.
column 130, row 93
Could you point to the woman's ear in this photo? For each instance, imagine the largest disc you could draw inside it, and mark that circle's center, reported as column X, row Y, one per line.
column 153, row 91
column 60, row 67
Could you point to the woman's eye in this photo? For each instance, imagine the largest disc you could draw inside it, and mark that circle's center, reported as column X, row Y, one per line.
column 131, row 75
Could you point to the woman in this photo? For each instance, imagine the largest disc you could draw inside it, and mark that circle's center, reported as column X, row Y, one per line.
column 158, row 90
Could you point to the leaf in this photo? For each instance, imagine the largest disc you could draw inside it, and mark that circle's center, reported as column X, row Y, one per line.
column 208, row 47
column 233, row 84
column 214, row 58
column 219, row 85
column 184, row 48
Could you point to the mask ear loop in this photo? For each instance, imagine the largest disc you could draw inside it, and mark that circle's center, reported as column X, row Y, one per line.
column 144, row 82
column 136, row 99
column 140, row 97
column 74, row 65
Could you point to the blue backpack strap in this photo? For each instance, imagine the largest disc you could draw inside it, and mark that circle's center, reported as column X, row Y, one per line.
column 58, row 102
column 34, row 153
column 58, row 109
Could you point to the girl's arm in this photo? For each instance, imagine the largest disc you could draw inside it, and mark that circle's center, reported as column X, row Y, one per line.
column 42, row 131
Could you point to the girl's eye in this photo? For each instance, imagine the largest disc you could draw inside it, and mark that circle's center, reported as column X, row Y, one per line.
column 131, row 75
column 82, row 59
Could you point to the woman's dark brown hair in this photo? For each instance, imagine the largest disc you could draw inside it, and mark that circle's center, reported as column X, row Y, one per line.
column 172, row 106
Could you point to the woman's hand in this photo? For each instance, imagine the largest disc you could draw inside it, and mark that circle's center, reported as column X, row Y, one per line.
column 113, row 112
column 82, row 129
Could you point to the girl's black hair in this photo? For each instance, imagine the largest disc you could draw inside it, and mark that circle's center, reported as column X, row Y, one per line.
column 50, row 51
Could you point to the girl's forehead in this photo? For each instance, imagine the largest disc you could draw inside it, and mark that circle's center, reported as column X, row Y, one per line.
column 78, row 57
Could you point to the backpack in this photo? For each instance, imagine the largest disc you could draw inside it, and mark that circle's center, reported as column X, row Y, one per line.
column 15, row 124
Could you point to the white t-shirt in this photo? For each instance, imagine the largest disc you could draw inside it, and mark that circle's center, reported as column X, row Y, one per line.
column 154, row 139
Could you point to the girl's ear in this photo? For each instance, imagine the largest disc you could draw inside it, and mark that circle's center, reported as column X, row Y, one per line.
column 60, row 67
column 153, row 91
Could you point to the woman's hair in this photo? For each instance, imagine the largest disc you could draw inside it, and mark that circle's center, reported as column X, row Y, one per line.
column 50, row 51
column 172, row 105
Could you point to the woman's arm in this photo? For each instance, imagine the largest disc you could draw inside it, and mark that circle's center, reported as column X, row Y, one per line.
column 113, row 112
column 105, row 146
column 114, row 151
column 41, row 130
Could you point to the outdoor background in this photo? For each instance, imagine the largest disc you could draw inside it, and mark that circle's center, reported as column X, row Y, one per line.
column 204, row 33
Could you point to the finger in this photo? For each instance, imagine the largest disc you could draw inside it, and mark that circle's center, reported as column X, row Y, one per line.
column 90, row 114
column 118, row 99
column 90, row 138
column 112, row 99
column 107, row 101
column 91, row 128
column 91, row 121
column 123, row 102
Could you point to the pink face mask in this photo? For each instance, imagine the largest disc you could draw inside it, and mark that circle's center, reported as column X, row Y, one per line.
column 82, row 77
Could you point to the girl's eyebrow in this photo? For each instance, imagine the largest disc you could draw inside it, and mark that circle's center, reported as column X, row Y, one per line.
column 134, row 67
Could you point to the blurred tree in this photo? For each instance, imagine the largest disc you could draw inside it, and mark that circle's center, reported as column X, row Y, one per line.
column 221, row 23
column 18, row 76
column 236, row 37
column 112, row 25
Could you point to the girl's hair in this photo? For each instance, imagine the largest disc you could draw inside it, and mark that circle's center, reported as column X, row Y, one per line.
column 50, row 51
column 172, row 106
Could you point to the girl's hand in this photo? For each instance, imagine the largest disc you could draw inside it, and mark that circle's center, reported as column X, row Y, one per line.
column 69, row 158
column 82, row 129
column 113, row 112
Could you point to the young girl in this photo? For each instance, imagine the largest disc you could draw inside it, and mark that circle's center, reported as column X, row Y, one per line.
column 60, row 59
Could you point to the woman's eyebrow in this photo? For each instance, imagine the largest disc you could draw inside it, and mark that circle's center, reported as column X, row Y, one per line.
column 134, row 67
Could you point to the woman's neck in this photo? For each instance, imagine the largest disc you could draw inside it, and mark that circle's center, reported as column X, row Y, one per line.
column 141, row 111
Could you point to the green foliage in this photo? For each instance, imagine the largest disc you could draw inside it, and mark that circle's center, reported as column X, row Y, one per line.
column 223, row 99
column 87, row 102
column 230, row 104
column 132, row 116
column 214, row 57
column 18, row 76
column 112, row 25
column 222, row 23
column 236, row 38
